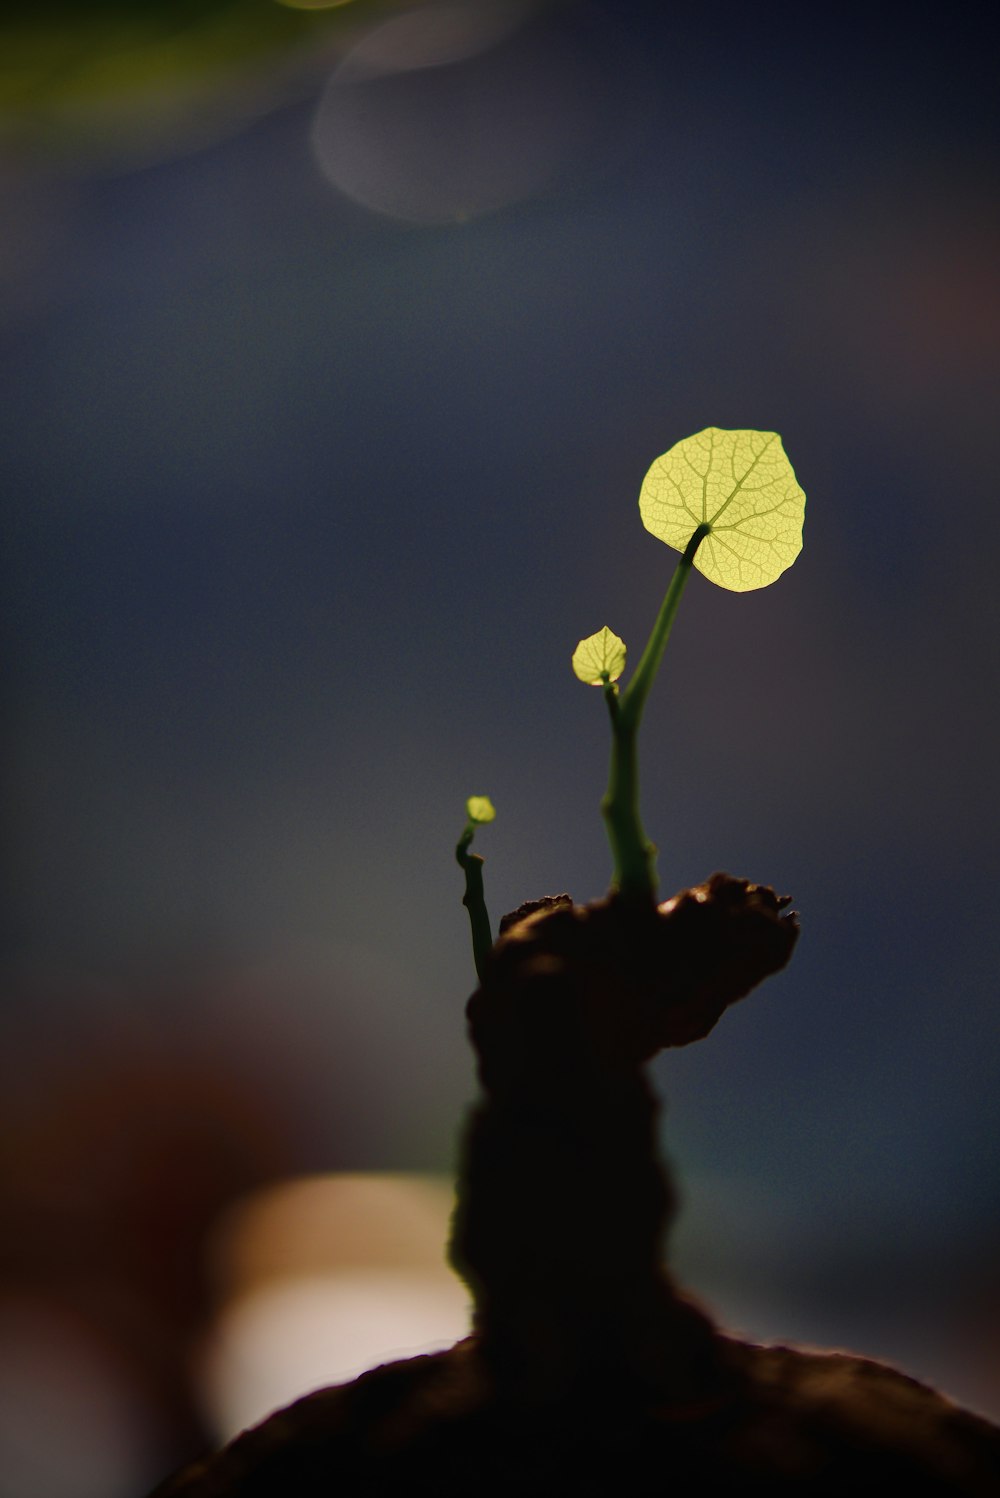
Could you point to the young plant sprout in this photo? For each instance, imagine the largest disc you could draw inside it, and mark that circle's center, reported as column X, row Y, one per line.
column 478, row 810
column 586, row 1367
column 729, row 502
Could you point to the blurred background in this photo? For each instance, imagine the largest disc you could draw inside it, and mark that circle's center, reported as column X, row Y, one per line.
column 336, row 342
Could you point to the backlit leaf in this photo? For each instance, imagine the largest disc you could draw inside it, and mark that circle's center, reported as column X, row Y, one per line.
column 742, row 486
column 599, row 658
column 479, row 809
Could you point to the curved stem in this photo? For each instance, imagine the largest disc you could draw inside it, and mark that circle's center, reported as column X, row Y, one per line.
column 474, row 899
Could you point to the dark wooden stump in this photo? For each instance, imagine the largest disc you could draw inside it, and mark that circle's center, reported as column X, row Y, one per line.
column 587, row 1371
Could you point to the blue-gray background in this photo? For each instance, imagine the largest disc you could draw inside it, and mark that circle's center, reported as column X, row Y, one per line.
column 306, row 505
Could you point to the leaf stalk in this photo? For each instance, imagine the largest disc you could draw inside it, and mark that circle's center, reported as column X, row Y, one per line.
column 474, row 898
column 634, row 855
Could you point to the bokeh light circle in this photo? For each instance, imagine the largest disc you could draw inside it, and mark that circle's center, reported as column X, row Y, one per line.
column 453, row 110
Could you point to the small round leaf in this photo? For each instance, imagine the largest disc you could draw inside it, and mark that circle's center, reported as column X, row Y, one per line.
column 742, row 486
column 599, row 658
column 479, row 809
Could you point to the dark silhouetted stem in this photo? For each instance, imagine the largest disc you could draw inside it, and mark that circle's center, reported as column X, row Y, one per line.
column 474, row 899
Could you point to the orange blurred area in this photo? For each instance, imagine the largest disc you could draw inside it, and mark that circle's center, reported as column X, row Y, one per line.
column 137, row 1264
column 154, row 1319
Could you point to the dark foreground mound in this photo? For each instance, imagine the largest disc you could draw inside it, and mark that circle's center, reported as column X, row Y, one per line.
column 587, row 1371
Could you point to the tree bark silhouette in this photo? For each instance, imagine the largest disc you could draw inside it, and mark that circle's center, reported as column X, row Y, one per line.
column 587, row 1369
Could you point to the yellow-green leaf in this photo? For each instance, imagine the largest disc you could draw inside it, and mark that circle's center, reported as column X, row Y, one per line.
column 479, row 809
column 742, row 486
column 599, row 658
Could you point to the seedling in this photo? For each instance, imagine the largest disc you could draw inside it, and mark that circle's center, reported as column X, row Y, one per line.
column 584, row 1359
column 729, row 502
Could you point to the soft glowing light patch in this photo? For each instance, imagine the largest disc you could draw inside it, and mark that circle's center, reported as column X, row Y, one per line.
column 450, row 111
column 320, row 1279
column 295, row 1335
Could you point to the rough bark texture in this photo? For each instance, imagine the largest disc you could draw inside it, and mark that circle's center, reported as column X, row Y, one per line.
column 587, row 1370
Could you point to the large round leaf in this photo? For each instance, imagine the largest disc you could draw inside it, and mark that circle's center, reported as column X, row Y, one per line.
column 742, row 486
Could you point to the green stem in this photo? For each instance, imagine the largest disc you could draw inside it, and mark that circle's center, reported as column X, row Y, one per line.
column 634, row 855
column 474, row 899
